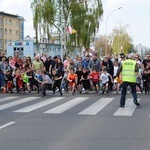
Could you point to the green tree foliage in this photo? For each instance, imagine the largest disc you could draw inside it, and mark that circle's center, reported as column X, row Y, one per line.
column 122, row 41
column 82, row 15
column 43, row 17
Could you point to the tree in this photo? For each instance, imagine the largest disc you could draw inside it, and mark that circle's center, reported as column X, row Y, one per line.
column 85, row 19
column 82, row 15
column 43, row 18
column 121, row 40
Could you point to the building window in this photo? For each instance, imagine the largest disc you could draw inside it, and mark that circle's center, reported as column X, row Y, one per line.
column 10, row 22
column 1, row 42
column 1, row 32
column 17, row 23
column 5, row 31
column 17, row 33
column 5, row 21
column 1, row 24
column 9, row 31
column 5, row 41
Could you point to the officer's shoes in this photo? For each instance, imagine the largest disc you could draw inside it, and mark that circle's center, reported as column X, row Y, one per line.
column 122, row 106
column 137, row 104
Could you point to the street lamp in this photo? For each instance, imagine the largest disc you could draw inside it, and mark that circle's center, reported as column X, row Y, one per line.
column 106, row 28
column 61, row 31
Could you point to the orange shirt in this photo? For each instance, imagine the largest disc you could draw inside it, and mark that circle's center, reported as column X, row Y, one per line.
column 118, row 80
column 72, row 77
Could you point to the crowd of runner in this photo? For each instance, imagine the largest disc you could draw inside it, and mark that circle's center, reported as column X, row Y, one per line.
column 88, row 74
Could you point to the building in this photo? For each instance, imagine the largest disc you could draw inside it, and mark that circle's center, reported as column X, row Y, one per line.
column 142, row 50
column 11, row 29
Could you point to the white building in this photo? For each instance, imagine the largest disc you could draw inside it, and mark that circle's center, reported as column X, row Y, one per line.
column 141, row 50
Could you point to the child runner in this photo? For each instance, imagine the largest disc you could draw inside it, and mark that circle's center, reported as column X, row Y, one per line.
column 105, row 80
column 95, row 77
column 72, row 78
column 46, row 80
column 119, row 82
column 85, row 80
column 56, row 81
column 79, row 74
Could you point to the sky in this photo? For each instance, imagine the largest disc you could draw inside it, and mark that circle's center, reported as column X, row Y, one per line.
column 134, row 13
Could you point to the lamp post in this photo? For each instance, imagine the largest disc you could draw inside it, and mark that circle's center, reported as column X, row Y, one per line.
column 61, row 32
column 106, row 28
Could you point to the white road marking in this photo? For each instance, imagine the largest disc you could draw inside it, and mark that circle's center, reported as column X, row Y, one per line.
column 8, row 98
column 66, row 106
column 127, row 110
column 6, row 125
column 96, row 107
column 39, row 105
column 24, row 100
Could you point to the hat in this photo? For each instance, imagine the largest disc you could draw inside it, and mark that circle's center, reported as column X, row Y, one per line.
column 122, row 55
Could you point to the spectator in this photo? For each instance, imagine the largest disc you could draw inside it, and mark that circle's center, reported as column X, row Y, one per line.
column 86, row 61
column 94, row 63
column 47, row 64
column 110, row 69
column 3, row 65
column 56, row 81
column 60, row 67
column 146, row 60
column 79, row 63
column 71, row 65
column 66, row 62
column 37, row 64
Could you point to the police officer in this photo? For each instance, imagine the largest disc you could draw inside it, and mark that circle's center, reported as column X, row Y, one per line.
column 128, row 69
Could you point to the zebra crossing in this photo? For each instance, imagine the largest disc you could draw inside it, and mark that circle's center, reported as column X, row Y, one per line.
column 93, row 109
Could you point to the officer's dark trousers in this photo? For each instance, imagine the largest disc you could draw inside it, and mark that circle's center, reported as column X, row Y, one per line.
column 124, row 91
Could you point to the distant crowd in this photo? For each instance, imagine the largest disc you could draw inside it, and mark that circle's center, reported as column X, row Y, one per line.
column 80, row 74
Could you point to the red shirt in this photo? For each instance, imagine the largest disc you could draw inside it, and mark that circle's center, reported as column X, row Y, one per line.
column 95, row 76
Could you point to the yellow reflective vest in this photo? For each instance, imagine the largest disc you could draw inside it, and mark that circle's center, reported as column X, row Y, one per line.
column 128, row 71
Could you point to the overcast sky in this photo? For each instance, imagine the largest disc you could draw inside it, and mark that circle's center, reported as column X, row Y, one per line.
column 135, row 13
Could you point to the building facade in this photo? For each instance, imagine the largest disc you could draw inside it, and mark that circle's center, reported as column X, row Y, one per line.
column 142, row 50
column 11, row 29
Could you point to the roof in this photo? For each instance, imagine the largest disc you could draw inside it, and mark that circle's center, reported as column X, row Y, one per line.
column 11, row 15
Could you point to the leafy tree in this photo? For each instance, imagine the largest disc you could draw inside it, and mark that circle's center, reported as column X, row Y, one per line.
column 121, row 40
column 43, row 18
column 82, row 15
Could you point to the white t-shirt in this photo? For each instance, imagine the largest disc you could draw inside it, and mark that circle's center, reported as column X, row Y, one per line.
column 115, row 70
column 104, row 77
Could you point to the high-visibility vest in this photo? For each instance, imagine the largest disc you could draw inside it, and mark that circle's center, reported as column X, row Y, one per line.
column 128, row 71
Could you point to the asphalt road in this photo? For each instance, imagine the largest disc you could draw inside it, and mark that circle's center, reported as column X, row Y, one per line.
column 80, row 122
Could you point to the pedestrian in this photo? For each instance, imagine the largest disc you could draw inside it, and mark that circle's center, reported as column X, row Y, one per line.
column 145, row 78
column 85, row 79
column 45, row 82
column 105, row 80
column 72, row 79
column 95, row 77
column 79, row 74
column 129, row 69
column 57, row 78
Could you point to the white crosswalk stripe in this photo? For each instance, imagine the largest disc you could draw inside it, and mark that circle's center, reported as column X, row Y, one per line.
column 92, row 109
column 66, row 106
column 8, row 98
column 96, row 107
column 39, row 105
column 127, row 110
column 18, row 102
